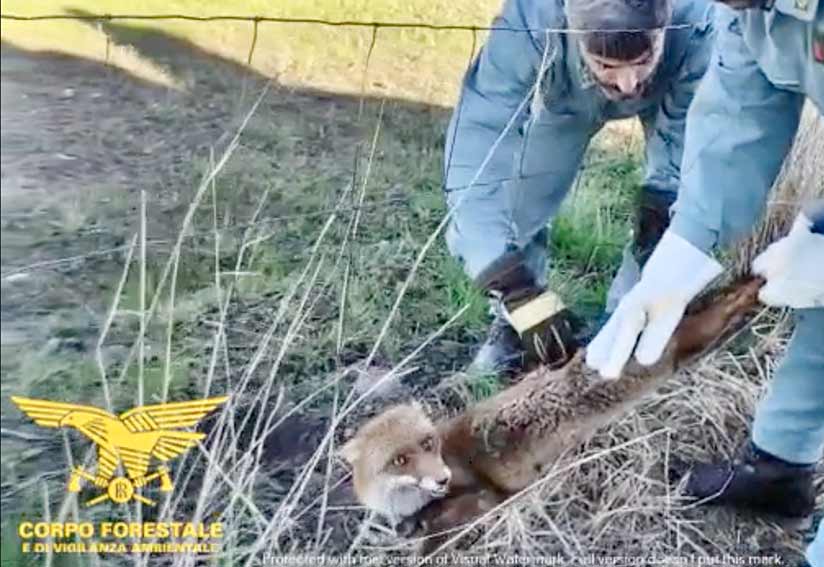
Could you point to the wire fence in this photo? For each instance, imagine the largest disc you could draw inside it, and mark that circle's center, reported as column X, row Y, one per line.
column 375, row 25
column 256, row 21
column 322, row 21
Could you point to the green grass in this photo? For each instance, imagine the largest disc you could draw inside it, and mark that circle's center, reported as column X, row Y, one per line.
column 592, row 228
column 483, row 386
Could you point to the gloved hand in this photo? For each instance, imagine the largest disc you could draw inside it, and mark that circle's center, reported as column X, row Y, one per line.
column 544, row 326
column 675, row 273
column 794, row 268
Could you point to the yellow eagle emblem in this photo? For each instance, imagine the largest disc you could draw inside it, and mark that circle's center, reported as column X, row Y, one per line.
column 130, row 439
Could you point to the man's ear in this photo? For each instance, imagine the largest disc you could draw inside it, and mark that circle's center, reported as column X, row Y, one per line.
column 351, row 451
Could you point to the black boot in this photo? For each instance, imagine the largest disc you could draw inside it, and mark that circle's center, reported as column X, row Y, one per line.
column 757, row 481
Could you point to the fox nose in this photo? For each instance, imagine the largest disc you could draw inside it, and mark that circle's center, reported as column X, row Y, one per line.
column 444, row 480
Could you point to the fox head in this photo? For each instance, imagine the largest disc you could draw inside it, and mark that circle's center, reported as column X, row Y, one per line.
column 396, row 460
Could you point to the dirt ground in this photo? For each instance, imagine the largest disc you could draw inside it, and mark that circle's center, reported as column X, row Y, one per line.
column 79, row 142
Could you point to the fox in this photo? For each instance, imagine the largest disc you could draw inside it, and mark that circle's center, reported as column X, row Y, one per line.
column 398, row 462
column 429, row 477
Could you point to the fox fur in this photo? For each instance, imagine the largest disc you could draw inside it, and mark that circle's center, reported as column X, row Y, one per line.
column 401, row 460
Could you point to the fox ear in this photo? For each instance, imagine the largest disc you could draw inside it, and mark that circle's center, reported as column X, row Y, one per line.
column 350, row 451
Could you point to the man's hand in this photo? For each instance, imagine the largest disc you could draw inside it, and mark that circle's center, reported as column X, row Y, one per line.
column 794, row 268
column 544, row 327
column 675, row 273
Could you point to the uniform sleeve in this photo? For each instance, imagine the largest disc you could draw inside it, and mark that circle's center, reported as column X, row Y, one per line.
column 739, row 129
column 493, row 91
column 664, row 129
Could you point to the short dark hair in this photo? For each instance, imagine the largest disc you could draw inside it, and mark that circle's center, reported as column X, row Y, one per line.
column 621, row 45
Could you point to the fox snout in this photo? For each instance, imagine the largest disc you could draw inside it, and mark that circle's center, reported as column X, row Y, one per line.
column 444, row 480
column 438, row 482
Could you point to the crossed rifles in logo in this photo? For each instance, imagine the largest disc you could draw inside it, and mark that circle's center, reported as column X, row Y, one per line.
column 130, row 439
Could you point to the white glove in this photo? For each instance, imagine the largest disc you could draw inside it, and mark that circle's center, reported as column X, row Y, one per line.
column 675, row 273
column 794, row 268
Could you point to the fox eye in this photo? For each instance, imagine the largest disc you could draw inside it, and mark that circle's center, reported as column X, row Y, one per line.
column 399, row 460
column 428, row 444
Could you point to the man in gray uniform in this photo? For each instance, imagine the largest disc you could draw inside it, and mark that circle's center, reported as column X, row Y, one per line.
column 530, row 104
